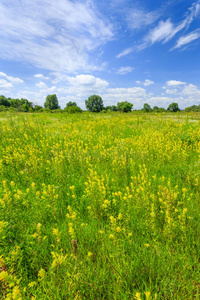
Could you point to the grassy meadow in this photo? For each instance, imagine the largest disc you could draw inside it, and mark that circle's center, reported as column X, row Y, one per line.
column 99, row 206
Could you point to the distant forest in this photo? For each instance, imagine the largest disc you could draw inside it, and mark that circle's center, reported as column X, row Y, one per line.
column 93, row 104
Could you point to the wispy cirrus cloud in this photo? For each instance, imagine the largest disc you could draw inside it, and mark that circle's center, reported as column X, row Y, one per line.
column 57, row 36
column 161, row 32
column 138, row 19
column 187, row 39
column 125, row 52
column 165, row 30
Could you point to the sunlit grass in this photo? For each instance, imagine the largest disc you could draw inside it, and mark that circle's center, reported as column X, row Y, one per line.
column 99, row 206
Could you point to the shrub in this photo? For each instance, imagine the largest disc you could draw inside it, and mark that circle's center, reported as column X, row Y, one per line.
column 73, row 109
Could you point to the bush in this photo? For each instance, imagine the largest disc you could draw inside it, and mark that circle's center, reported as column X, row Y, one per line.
column 3, row 108
column 73, row 109
column 38, row 108
column 59, row 110
column 12, row 109
column 47, row 110
column 160, row 110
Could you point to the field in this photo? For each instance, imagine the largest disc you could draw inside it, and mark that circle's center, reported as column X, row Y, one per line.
column 99, row 206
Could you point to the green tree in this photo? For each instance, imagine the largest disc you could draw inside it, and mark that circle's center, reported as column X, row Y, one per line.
column 192, row 108
column 51, row 102
column 94, row 103
column 70, row 103
column 124, row 106
column 173, row 107
column 15, row 103
column 155, row 108
column 25, row 108
column 18, row 103
column 147, row 107
column 4, row 101
column 111, row 107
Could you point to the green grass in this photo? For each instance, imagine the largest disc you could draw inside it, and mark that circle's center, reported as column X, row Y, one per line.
column 99, row 206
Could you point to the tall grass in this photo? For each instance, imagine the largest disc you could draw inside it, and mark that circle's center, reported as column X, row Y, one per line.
column 99, row 206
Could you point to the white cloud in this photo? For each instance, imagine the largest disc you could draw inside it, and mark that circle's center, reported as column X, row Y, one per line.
column 172, row 92
column 188, row 94
column 56, row 35
column 192, row 92
column 136, row 91
column 4, row 84
column 83, row 85
column 160, row 101
column 88, row 80
column 50, row 90
column 80, row 87
column 148, row 82
column 76, row 88
column 41, row 85
column 125, row 70
column 41, row 76
column 37, row 97
column 184, row 40
column 11, row 79
column 174, row 83
column 135, row 95
column 124, row 52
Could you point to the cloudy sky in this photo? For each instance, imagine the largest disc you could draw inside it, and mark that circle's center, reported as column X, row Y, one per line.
column 139, row 51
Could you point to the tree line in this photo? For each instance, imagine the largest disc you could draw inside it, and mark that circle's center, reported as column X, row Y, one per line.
column 93, row 104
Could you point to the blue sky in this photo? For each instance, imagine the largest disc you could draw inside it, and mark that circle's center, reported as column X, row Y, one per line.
column 139, row 51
